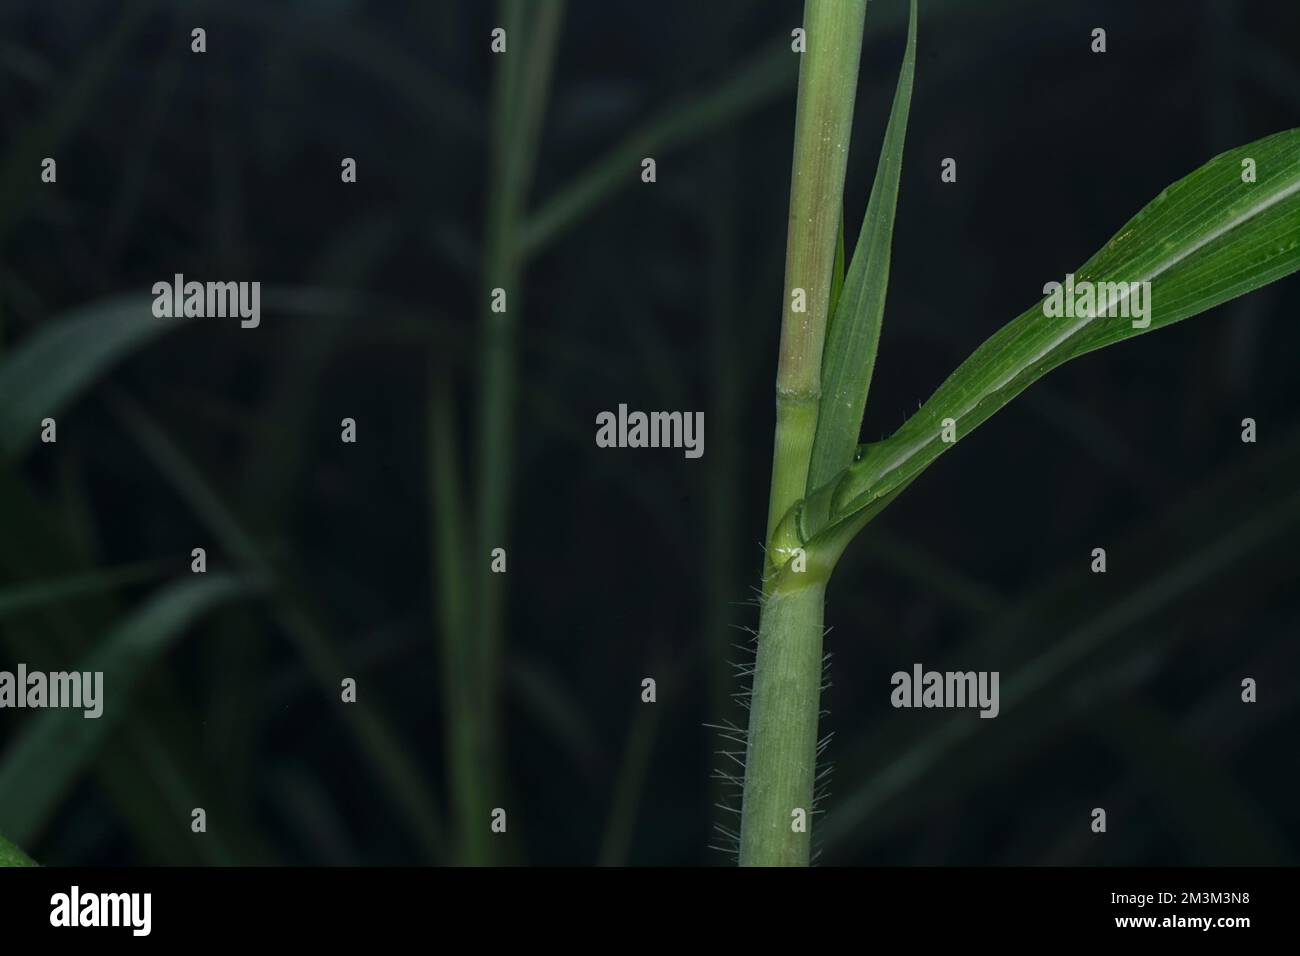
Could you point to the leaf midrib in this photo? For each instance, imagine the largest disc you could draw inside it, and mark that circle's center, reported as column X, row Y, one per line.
column 908, row 452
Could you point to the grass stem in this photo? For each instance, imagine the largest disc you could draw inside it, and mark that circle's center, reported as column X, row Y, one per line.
column 828, row 81
column 780, row 761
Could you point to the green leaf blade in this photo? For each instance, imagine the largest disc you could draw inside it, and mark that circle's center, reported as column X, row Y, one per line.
column 1205, row 240
column 57, row 745
column 849, row 357
column 10, row 855
column 52, row 368
column 28, row 596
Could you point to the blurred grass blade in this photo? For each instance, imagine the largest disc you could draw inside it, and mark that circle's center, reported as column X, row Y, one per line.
column 376, row 740
column 448, row 507
column 1237, row 524
column 554, row 709
column 1191, row 784
column 26, row 597
column 850, row 353
column 629, row 790
column 352, row 44
column 520, row 98
column 20, row 166
column 49, row 370
column 769, row 75
column 10, row 855
column 311, row 813
column 36, row 551
column 451, row 588
column 899, row 555
column 56, row 746
column 1206, row 239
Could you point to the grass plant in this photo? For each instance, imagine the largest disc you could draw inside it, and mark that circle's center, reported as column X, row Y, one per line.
column 1227, row 228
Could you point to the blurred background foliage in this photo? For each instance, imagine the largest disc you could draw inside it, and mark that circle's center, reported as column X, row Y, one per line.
column 522, row 690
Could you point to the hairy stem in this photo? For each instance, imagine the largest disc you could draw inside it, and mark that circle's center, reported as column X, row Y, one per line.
column 781, row 753
column 781, row 758
column 828, row 79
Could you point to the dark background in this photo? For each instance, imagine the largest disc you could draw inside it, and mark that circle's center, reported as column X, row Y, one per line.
column 1120, row 691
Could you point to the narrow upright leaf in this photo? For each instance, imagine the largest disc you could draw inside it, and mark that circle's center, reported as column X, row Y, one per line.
column 837, row 272
column 850, row 353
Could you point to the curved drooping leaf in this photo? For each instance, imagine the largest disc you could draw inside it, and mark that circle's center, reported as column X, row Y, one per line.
column 1210, row 237
column 54, row 746
column 849, row 356
column 51, row 368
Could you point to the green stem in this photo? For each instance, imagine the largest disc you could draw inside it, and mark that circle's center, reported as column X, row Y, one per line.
column 828, row 80
column 781, row 753
column 781, row 758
